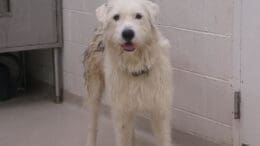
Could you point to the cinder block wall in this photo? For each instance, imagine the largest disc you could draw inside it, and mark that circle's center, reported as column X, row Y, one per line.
column 200, row 32
column 201, row 35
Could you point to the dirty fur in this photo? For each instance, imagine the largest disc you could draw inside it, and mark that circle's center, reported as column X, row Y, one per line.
column 139, row 81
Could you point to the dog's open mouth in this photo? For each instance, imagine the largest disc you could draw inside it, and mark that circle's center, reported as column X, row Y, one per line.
column 129, row 46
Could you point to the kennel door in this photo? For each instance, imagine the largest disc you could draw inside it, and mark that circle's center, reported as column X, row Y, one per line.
column 27, row 22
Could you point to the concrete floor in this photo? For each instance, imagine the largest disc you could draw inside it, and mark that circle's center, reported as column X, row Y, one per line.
column 34, row 120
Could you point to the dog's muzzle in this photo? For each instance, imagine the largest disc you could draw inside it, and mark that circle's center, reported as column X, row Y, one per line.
column 128, row 35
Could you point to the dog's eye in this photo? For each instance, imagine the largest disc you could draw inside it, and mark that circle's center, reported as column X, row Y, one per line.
column 116, row 17
column 138, row 16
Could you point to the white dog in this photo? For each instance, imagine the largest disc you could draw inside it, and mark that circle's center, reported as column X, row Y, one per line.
column 128, row 57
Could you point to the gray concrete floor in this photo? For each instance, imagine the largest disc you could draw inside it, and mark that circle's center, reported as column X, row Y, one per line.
column 34, row 120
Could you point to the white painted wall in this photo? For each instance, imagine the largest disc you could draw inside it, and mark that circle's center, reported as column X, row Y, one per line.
column 250, row 72
column 201, row 34
column 202, row 55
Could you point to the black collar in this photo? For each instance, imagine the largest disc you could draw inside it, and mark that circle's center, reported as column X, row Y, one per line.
column 141, row 72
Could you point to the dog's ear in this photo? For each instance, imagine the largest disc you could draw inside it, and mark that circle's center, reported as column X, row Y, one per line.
column 153, row 10
column 101, row 13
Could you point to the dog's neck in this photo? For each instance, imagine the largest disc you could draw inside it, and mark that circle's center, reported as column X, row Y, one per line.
column 138, row 63
column 144, row 70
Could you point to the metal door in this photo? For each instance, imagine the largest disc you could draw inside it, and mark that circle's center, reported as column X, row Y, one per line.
column 27, row 22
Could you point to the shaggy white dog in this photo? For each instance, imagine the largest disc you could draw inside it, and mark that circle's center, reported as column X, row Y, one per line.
column 128, row 57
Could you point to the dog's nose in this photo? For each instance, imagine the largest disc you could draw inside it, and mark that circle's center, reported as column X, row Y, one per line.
column 128, row 34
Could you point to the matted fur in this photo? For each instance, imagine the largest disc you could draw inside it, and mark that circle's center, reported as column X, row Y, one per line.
column 108, row 67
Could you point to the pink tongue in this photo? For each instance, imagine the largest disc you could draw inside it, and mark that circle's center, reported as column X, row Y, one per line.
column 129, row 47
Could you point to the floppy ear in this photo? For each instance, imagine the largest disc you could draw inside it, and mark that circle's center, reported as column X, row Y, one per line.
column 153, row 10
column 101, row 13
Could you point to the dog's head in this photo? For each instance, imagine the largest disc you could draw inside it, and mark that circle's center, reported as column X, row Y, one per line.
column 128, row 24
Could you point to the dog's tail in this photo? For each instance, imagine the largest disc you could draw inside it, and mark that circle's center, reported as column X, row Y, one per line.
column 94, row 81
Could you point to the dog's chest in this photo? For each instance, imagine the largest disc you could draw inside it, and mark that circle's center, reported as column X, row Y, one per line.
column 137, row 92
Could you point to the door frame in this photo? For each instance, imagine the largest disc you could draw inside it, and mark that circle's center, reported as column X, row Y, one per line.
column 236, row 80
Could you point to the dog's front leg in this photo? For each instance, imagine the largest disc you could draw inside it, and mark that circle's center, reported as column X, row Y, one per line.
column 92, row 111
column 161, row 124
column 124, row 128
